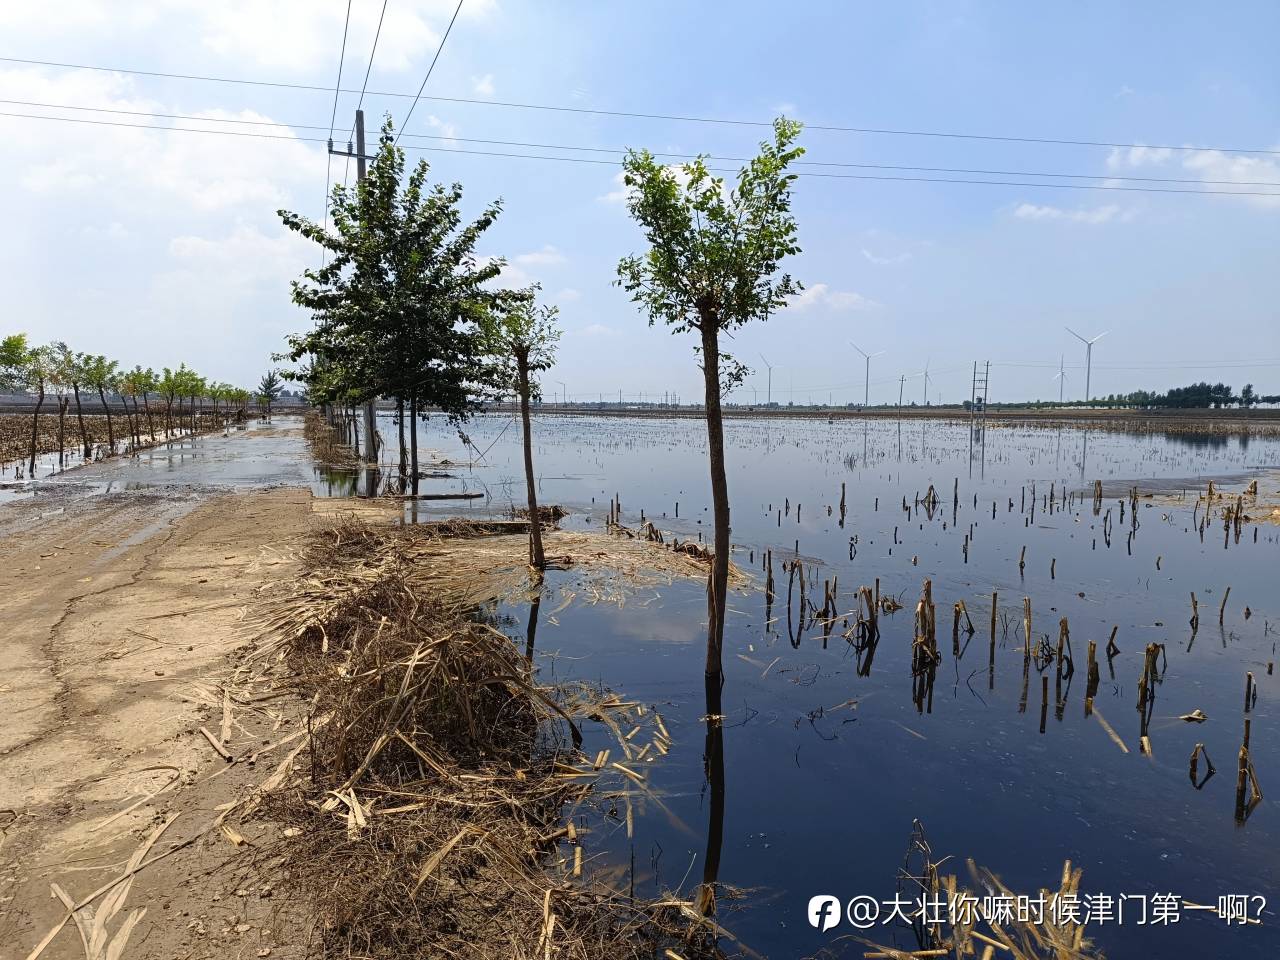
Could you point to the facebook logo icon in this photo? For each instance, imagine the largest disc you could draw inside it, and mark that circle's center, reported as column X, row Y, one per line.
column 824, row 911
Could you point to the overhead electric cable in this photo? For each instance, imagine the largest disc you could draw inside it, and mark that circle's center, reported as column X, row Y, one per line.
column 676, row 156
column 404, row 126
column 615, row 163
column 884, row 131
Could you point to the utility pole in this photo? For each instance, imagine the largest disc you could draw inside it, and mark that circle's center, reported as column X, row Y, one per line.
column 370, row 425
column 902, row 382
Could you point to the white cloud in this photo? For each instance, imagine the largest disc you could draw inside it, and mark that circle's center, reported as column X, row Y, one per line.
column 567, row 295
column 819, row 294
column 1094, row 216
column 300, row 36
column 1215, row 169
column 598, row 330
column 483, row 86
column 1125, row 157
column 546, row 257
column 886, row 261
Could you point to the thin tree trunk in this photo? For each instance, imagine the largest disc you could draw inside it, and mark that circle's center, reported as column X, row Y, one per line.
column 151, row 427
column 537, row 559
column 62, row 430
column 713, row 767
column 403, row 450
column 413, row 442
column 35, row 427
column 84, row 433
column 137, row 423
column 111, row 437
column 719, row 581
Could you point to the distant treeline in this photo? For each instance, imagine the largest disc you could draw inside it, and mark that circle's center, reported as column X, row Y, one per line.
column 1196, row 396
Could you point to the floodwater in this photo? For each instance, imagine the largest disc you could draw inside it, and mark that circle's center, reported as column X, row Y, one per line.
column 827, row 756
column 251, row 455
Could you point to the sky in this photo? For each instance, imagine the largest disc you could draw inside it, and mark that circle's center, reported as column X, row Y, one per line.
column 160, row 246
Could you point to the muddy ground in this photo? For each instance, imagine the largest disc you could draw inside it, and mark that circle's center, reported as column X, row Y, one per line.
column 123, row 618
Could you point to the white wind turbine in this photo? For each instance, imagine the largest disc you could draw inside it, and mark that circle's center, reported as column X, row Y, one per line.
column 769, row 389
column 1088, row 357
column 866, row 399
column 1061, row 377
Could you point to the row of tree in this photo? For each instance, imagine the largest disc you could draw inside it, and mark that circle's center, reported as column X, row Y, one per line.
column 404, row 307
column 1193, row 396
column 69, row 377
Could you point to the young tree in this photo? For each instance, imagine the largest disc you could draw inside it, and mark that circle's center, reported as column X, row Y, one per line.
column 100, row 374
column 398, row 304
column 713, row 265
column 523, row 336
column 63, row 374
column 13, row 360
column 35, row 368
column 169, row 384
column 269, row 388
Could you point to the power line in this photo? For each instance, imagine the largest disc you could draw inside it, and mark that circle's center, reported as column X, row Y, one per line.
column 372, row 52
column 341, row 57
column 615, row 163
column 882, row 131
column 677, row 156
column 404, row 126
column 328, row 161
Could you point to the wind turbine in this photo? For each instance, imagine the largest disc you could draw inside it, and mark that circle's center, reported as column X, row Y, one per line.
column 769, row 392
column 564, row 393
column 1088, row 357
column 866, row 399
column 926, row 383
column 1061, row 377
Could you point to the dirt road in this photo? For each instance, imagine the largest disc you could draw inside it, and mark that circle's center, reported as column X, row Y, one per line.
column 121, row 615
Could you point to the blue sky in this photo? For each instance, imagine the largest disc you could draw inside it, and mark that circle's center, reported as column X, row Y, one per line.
column 159, row 247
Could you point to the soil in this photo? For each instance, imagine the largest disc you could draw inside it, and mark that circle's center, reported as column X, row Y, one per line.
column 123, row 616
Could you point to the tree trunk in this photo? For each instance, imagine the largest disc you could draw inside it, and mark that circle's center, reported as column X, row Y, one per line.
column 151, row 427
column 35, row 427
column 137, row 423
column 713, row 767
column 111, row 437
column 403, row 451
column 62, row 430
column 537, row 559
column 719, row 581
column 413, row 443
column 84, row 433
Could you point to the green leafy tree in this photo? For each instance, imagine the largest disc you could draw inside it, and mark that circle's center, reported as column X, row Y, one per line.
column 713, row 264
column 523, row 337
column 397, row 305
column 101, row 374
column 269, row 388
column 13, row 361
column 34, row 369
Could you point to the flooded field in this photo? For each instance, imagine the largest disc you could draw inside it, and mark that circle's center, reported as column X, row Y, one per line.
column 832, row 746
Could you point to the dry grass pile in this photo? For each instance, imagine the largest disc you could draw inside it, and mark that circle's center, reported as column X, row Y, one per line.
column 431, row 821
column 323, row 440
